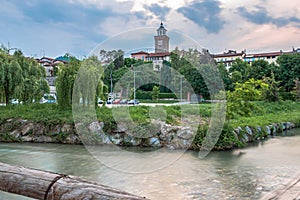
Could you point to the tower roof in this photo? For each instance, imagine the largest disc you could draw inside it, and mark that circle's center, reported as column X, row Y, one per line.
column 161, row 27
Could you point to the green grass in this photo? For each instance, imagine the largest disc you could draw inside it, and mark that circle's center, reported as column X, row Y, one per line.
column 263, row 114
column 37, row 112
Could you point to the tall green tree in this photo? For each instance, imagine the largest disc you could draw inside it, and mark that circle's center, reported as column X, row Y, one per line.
column 288, row 71
column 65, row 81
column 89, row 81
column 13, row 80
column 155, row 93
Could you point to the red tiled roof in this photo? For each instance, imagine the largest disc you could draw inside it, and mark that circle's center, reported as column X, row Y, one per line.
column 230, row 53
column 265, row 54
column 140, row 52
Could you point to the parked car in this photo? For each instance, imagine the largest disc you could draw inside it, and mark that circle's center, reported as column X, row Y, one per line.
column 133, row 102
column 48, row 98
column 123, row 101
column 100, row 101
column 117, row 101
column 15, row 101
column 110, row 100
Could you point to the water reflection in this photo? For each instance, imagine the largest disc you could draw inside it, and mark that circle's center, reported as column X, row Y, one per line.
column 246, row 173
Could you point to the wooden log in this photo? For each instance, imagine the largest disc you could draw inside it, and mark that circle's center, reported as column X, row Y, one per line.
column 289, row 190
column 51, row 186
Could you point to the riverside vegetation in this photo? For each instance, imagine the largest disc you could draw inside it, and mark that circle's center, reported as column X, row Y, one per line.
column 264, row 114
column 261, row 97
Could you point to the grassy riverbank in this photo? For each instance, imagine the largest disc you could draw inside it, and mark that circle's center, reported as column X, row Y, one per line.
column 264, row 114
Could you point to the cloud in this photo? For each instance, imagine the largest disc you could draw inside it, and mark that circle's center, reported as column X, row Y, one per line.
column 260, row 16
column 205, row 14
column 158, row 10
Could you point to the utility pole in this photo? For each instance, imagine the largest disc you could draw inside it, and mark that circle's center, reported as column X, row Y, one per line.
column 181, row 88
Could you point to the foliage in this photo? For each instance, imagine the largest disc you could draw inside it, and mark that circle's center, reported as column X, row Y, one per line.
column 288, row 71
column 155, row 93
column 89, row 84
column 297, row 89
column 65, row 81
column 21, row 78
column 240, row 100
column 271, row 93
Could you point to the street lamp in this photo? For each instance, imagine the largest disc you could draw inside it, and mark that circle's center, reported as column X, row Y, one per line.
column 180, row 87
column 134, row 72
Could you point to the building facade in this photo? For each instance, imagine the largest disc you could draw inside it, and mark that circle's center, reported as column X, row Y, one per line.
column 161, row 46
column 229, row 57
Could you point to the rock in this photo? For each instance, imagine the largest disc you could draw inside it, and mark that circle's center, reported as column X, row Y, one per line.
column 131, row 141
column 121, row 128
column 180, row 143
column 245, row 138
column 43, row 138
column 95, row 127
column 54, row 129
column 39, row 129
column 68, row 128
column 170, row 147
column 268, row 130
column 27, row 138
column 116, row 139
column 283, row 126
column 154, row 142
column 27, row 129
column 185, row 133
column 105, row 139
column 248, row 130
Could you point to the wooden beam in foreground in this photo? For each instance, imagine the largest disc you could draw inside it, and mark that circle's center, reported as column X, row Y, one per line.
column 289, row 191
column 39, row 184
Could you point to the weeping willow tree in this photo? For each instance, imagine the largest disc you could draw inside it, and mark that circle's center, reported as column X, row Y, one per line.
column 79, row 82
column 21, row 78
column 64, row 83
column 89, row 84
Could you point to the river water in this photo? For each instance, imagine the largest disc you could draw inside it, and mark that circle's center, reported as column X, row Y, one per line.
column 248, row 173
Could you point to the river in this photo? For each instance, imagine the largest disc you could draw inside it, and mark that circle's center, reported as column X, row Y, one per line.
column 248, row 173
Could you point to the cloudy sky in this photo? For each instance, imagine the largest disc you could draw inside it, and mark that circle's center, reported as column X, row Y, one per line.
column 54, row 27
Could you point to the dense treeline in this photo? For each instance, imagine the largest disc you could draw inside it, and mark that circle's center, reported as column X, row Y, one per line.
column 281, row 78
column 21, row 78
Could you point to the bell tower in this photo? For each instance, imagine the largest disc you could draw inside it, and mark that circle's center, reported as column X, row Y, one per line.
column 161, row 40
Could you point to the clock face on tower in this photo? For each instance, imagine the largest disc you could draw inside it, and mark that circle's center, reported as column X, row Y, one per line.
column 160, row 42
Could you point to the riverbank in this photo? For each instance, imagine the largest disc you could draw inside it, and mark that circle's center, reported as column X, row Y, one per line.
column 48, row 124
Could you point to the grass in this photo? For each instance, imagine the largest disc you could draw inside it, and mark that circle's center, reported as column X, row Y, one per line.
column 263, row 114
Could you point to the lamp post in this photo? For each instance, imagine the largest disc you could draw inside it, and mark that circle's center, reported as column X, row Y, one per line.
column 180, row 87
column 134, row 72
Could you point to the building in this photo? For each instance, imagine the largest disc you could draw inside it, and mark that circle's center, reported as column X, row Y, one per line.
column 270, row 57
column 161, row 46
column 229, row 57
column 49, row 64
column 141, row 55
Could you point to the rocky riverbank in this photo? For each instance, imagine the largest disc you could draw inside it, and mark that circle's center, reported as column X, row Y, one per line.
column 165, row 135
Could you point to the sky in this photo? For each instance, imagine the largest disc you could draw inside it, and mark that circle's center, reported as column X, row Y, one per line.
column 78, row 27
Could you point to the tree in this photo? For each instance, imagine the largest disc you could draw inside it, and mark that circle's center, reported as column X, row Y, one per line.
column 65, row 81
column 21, row 77
column 13, row 80
column 297, row 89
column 287, row 71
column 260, row 69
column 242, row 67
column 155, row 93
column 88, row 82
column 271, row 93
column 240, row 100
